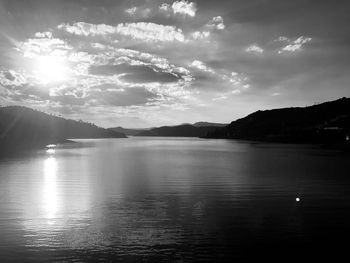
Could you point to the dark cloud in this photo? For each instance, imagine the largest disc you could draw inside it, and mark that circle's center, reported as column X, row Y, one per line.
column 135, row 74
column 120, row 98
column 69, row 99
column 9, row 76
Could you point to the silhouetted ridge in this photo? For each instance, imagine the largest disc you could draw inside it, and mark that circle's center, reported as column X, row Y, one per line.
column 131, row 132
column 186, row 130
column 209, row 124
column 326, row 122
column 183, row 130
column 25, row 127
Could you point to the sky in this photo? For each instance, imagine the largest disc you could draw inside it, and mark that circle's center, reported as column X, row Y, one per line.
column 147, row 63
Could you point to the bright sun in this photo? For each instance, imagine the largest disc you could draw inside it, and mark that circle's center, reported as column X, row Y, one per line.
column 50, row 69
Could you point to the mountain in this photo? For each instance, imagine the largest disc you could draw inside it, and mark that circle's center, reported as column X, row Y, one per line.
column 209, row 124
column 22, row 127
column 185, row 130
column 126, row 131
column 326, row 122
column 197, row 129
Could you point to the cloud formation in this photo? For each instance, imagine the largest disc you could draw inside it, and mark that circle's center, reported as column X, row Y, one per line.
column 293, row 45
column 184, row 8
column 100, row 75
column 131, row 11
column 200, row 65
column 216, row 22
column 181, row 7
column 138, row 12
column 43, row 45
column 148, row 32
column 10, row 78
column 254, row 48
column 200, row 35
column 87, row 29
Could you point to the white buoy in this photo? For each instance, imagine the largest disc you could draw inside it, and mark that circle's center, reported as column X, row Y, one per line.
column 297, row 199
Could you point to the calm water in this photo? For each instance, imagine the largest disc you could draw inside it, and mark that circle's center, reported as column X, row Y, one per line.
column 172, row 199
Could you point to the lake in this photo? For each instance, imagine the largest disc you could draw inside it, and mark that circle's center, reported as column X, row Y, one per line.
column 174, row 199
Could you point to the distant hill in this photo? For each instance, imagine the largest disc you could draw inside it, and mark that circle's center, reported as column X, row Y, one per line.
column 126, row 131
column 326, row 122
column 209, row 124
column 22, row 127
column 185, row 130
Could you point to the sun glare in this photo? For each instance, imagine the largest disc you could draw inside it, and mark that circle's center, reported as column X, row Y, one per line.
column 51, row 69
column 50, row 195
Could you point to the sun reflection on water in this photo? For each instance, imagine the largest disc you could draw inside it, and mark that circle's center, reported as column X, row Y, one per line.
column 50, row 192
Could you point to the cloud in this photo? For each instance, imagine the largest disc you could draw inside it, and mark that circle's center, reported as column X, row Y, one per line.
column 132, row 77
column 87, row 29
column 254, row 48
column 12, row 78
column 110, row 95
column 134, row 74
column 223, row 79
column 199, row 35
column 184, row 8
column 201, row 66
column 239, row 84
column 165, row 7
column 43, row 44
column 43, row 34
column 17, row 87
column 137, row 62
column 295, row 45
column 237, row 79
column 149, row 32
column 131, row 11
column 282, row 39
column 138, row 12
column 105, row 94
column 216, row 22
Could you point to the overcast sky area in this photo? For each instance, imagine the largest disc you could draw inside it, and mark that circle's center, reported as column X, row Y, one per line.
column 145, row 63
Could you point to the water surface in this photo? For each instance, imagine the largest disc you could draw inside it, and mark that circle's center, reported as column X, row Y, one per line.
column 174, row 199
